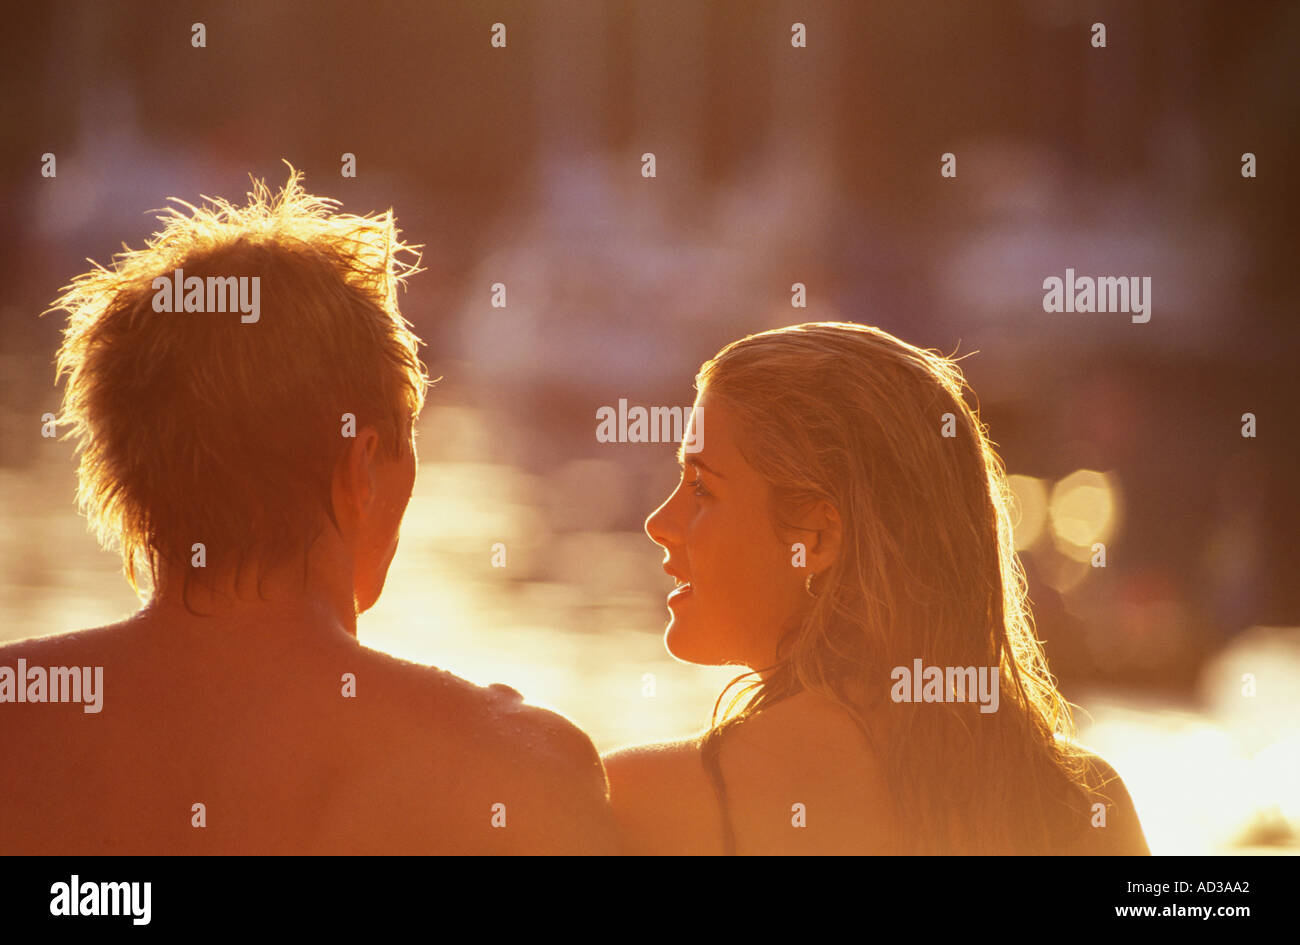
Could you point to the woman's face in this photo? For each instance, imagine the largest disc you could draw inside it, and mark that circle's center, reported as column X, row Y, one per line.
column 740, row 585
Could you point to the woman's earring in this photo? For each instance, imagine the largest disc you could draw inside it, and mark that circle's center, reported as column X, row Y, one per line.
column 807, row 585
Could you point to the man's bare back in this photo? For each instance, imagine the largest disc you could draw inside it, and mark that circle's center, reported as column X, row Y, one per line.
column 251, row 721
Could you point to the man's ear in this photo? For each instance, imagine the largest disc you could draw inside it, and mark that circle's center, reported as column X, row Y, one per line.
column 353, row 488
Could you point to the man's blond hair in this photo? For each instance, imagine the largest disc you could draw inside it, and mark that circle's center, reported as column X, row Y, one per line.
column 195, row 427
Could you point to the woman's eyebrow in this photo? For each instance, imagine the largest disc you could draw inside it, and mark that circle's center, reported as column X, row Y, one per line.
column 695, row 461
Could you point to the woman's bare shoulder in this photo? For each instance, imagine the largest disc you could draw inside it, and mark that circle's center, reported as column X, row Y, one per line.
column 1112, row 827
column 663, row 802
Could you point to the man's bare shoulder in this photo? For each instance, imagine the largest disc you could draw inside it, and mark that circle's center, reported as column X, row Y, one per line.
column 663, row 801
column 496, row 714
column 70, row 645
column 79, row 660
column 540, row 767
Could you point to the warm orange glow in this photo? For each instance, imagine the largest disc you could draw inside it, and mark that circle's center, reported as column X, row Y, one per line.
column 1084, row 509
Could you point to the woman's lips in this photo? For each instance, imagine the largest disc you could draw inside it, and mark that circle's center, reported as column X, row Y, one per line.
column 683, row 588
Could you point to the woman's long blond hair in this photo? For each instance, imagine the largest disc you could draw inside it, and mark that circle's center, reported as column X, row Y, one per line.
column 927, row 569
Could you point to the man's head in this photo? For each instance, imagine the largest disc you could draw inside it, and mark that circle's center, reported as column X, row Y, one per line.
column 249, row 437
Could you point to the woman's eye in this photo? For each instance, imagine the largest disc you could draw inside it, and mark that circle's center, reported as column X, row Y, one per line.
column 697, row 485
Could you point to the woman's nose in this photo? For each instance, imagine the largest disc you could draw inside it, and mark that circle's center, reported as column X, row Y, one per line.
column 659, row 525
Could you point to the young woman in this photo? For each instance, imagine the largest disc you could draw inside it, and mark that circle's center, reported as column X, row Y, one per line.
column 841, row 515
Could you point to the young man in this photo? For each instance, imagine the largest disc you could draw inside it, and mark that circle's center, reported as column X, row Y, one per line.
column 243, row 391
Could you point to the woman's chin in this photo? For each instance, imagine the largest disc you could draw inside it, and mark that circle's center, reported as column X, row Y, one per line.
column 689, row 647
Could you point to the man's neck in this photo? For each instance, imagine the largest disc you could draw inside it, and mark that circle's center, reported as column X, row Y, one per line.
column 277, row 598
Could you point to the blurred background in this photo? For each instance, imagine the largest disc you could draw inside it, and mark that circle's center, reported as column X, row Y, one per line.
column 775, row 165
